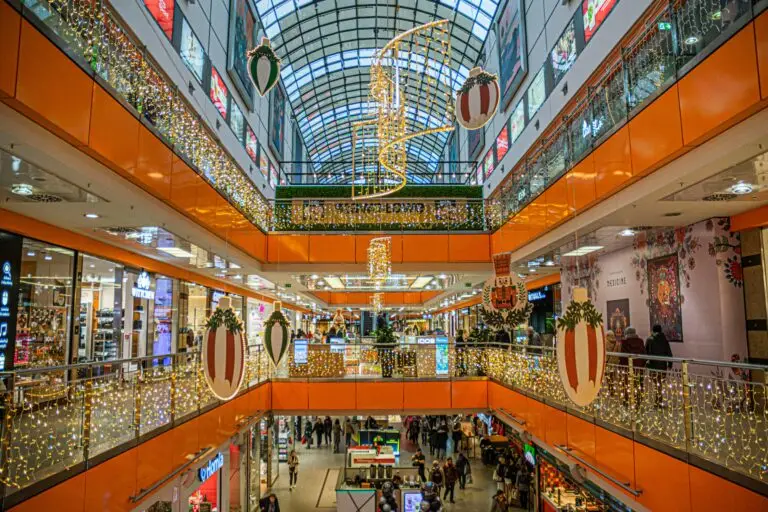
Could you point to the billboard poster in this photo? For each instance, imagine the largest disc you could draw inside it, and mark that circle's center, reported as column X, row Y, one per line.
column 537, row 93
column 191, row 51
column 219, row 93
column 277, row 122
column 263, row 163
column 10, row 273
column 517, row 121
column 242, row 37
column 300, row 351
column 513, row 52
column 595, row 12
column 162, row 11
column 502, row 143
column 251, row 145
column 488, row 164
column 564, row 53
column 441, row 355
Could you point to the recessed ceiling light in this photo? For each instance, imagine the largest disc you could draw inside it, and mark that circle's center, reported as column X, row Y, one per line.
column 15, row 163
column 581, row 251
column 176, row 252
column 627, row 232
column 741, row 188
column 334, row 282
column 91, row 266
column 442, row 276
column 31, row 254
column 111, row 269
column 47, row 257
column 91, row 215
column 691, row 40
column 314, row 276
column 238, row 277
column 549, row 263
column 421, row 282
column 22, row 189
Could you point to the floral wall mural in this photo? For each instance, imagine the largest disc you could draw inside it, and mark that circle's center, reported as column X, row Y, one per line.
column 708, row 316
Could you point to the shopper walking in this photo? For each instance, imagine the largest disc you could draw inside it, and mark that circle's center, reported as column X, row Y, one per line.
column 510, row 478
column 451, row 475
column 349, row 430
column 464, row 469
column 419, row 461
column 328, row 426
column 523, row 485
column 499, row 502
column 269, row 503
column 424, row 430
column 456, row 436
column 293, row 470
column 436, row 476
column 433, row 439
column 658, row 345
column 500, row 473
column 336, row 436
column 308, row 433
column 442, row 440
column 319, row 430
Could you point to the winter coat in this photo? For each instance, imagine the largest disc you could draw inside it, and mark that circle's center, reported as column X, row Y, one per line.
column 462, row 465
column 436, row 476
column 632, row 345
column 328, row 424
column 657, row 345
column 451, row 474
column 348, row 428
column 499, row 504
column 318, row 428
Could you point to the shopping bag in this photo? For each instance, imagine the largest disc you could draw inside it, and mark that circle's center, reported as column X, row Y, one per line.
column 469, row 478
column 304, row 440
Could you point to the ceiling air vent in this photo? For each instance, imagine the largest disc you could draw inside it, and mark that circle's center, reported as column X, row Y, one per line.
column 44, row 198
column 720, row 197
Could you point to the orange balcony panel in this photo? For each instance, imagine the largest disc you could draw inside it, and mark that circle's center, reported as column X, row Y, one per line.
column 250, row 239
column 108, row 484
column 581, row 437
column 260, row 399
column 211, row 431
column 207, row 202
column 469, row 248
column 288, row 248
column 68, row 496
column 712, row 493
column 656, row 133
column 537, row 217
column 536, row 418
column 518, row 230
column 722, row 90
column 379, row 396
column 496, row 242
column 290, row 396
column 331, row 248
column 43, row 68
column 425, row 296
column 412, row 298
column 332, row 396
column 555, row 426
column 614, row 453
column 393, row 298
column 613, row 164
column 469, row 394
column 425, row 248
column 228, row 217
column 761, row 38
column 663, row 479
column 423, row 396
column 184, row 183
column 155, row 459
column 361, row 247
column 10, row 31
column 323, row 296
column 580, row 182
column 556, row 199
column 153, row 169
column 114, row 137
column 357, row 298
column 184, row 442
column 339, row 298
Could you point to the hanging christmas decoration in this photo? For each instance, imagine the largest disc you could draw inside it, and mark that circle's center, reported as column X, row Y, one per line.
column 379, row 259
column 478, row 99
column 581, row 349
column 223, row 354
column 276, row 335
column 505, row 302
column 338, row 320
column 377, row 301
column 263, row 67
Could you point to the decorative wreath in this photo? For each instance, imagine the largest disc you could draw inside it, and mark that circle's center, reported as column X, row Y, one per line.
column 578, row 311
column 264, row 50
column 482, row 78
column 226, row 317
column 507, row 317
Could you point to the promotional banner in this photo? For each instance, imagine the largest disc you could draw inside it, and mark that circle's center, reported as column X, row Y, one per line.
column 10, row 267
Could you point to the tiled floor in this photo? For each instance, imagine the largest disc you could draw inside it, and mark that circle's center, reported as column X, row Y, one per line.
column 318, row 473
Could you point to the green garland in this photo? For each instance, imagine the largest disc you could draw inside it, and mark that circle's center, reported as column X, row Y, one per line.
column 264, row 51
column 277, row 317
column 578, row 311
column 484, row 78
column 226, row 317
column 514, row 317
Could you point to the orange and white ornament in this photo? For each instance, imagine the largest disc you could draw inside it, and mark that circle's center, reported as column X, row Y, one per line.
column 478, row 99
column 223, row 353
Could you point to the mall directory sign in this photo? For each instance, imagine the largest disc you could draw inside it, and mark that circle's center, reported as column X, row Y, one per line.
column 10, row 267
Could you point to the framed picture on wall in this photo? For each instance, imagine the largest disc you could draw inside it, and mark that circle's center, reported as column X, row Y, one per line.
column 242, row 37
column 277, row 122
column 618, row 316
column 664, row 296
column 513, row 50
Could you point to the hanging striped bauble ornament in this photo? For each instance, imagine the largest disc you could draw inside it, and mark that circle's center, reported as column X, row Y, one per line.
column 223, row 351
column 276, row 339
column 581, row 349
column 264, row 67
column 478, row 99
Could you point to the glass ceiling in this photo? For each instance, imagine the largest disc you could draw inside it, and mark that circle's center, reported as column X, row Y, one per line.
column 326, row 48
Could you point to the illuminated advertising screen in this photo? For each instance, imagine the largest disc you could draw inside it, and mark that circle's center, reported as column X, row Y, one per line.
column 564, row 53
column 251, row 145
column 537, row 93
column 263, row 164
column 502, row 143
column 191, row 51
column 300, row 351
column 441, row 355
column 162, row 11
column 411, row 500
column 237, row 122
column 479, row 173
column 219, row 93
column 595, row 12
column 273, row 174
column 425, row 340
column 516, row 122
column 488, row 164
column 338, row 345
column 513, row 53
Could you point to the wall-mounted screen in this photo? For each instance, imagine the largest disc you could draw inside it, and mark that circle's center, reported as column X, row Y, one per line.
column 517, row 122
column 564, row 54
column 537, row 93
column 251, row 145
column 502, row 143
column 162, row 11
column 513, row 52
column 219, row 93
column 191, row 51
column 595, row 12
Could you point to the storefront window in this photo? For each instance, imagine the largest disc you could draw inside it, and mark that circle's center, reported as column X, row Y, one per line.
column 257, row 315
column 193, row 312
column 45, row 305
column 138, row 313
column 101, row 299
column 166, row 306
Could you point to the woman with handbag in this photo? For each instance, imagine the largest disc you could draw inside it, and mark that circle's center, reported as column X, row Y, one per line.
column 499, row 473
column 293, row 470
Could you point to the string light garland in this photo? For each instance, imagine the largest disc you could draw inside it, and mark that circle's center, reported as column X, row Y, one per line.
column 380, row 259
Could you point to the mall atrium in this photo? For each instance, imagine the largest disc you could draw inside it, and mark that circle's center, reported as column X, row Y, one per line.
column 383, row 255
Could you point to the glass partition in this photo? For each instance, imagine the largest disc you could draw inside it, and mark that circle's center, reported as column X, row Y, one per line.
column 101, row 299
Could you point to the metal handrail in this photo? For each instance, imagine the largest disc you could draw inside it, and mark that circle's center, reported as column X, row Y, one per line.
column 624, row 485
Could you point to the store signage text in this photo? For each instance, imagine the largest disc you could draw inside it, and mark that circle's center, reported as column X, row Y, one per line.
column 536, row 295
column 617, row 279
column 211, row 468
column 141, row 289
